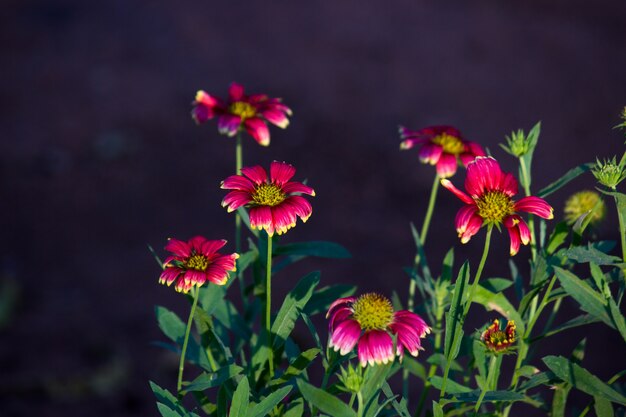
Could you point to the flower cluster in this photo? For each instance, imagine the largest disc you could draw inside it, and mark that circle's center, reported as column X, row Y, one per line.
column 442, row 146
column 489, row 200
column 369, row 321
column 241, row 111
column 582, row 203
column 499, row 341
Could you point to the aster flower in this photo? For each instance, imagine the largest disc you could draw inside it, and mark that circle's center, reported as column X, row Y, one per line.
column 499, row 341
column 443, row 146
column 241, row 112
column 490, row 201
column 196, row 261
column 369, row 321
column 274, row 202
column 582, row 203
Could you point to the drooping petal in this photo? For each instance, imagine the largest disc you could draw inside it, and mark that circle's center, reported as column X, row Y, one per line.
column 375, row 347
column 216, row 274
column 446, row 166
column 515, row 221
column 238, row 182
column 261, row 218
column 535, row 205
column 407, row 337
column 235, row 199
column 258, row 130
column 297, row 187
column 209, row 247
column 281, row 172
column 301, row 207
column 201, row 113
column 430, row 153
column 345, row 336
column 228, row 124
column 178, row 247
column 345, row 302
column 463, row 217
column 283, row 218
column 339, row 315
column 515, row 239
column 256, row 174
column 460, row 194
column 508, row 184
column 411, row 142
column 473, row 226
column 235, row 92
column 276, row 117
column 413, row 320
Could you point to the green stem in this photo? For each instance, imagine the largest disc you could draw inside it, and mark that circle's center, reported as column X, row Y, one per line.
column 268, row 305
column 360, row 410
column 432, row 369
column 531, row 220
column 488, row 383
column 468, row 303
column 181, row 364
column 238, row 166
column 622, row 230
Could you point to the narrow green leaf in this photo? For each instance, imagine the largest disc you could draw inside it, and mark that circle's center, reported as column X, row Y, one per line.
column 293, row 304
column 374, row 378
column 453, row 319
column 440, row 360
column 603, row 407
column 414, row 367
column 559, row 400
column 617, row 317
column 324, row 401
column 437, row 409
column 156, row 257
column 268, row 403
column 569, row 176
column 589, row 300
column 296, row 409
column 542, row 378
column 448, row 264
column 582, row 379
column 241, row 399
column 496, row 284
column 166, row 398
column 452, row 387
column 320, row 249
column 208, row 380
column 493, row 396
column 297, row 366
column 399, row 406
column 168, row 412
column 498, row 302
column 575, row 322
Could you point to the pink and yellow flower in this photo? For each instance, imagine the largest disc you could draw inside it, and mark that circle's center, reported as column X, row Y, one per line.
column 490, row 201
column 241, row 112
column 196, row 261
column 274, row 203
column 442, row 146
column 369, row 321
column 499, row 341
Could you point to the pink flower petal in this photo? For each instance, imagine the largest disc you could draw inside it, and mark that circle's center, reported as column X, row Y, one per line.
column 283, row 217
column 256, row 174
column 201, row 113
column 209, row 247
column 340, row 303
column 235, row 199
column 178, row 247
column 446, row 166
column 281, row 172
column 297, row 187
column 345, row 336
column 467, row 158
column 301, row 207
column 258, row 130
column 276, row 117
column 216, row 274
column 535, row 205
column 339, row 315
column 508, row 184
column 430, row 153
column 238, row 182
column 515, row 239
column 413, row 320
column 235, row 91
column 482, row 175
column 261, row 218
column 375, row 347
column 460, row 194
column 228, row 124
column 472, row 227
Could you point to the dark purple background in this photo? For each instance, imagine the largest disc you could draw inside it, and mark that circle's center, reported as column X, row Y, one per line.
column 100, row 156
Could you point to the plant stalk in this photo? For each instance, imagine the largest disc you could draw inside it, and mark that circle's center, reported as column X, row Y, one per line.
column 181, row 364
column 268, row 305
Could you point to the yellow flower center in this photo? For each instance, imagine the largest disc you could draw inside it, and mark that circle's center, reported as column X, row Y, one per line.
column 197, row 262
column 450, row 144
column 494, row 206
column 268, row 195
column 373, row 311
column 581, row 203
column 498, row 340
column 242, row 109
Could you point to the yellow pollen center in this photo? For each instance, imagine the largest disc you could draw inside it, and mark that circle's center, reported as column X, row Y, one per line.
column 268, row 195
column 373, row 311
column 494, row 206
column 450, row 144
column 242, row 109
column 197, row 262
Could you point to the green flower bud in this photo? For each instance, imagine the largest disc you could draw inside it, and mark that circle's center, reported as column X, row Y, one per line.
column 609, row 173
column 351, row 379
column 517, row 144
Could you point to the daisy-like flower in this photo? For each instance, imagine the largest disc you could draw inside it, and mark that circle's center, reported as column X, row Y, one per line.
column 241, row 112
column 369, row 321
column 499, row 341
column 442, row 146
column 274, row 203
column 582, row 203
column 490, row 201
column 196, row 261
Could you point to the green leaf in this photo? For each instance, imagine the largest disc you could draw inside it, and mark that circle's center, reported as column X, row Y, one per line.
column 569, row 176
column 498, row 302
column 575, row 322
column 451, row 386
column 399, row 406
column 293, row 304
column 437, row 409
column 496, row 284
column 226, row 313
column 168, row 412
column 582, row 379
column 156, row 257
column 322, row 298
column 581, row 254
column 166, row 398
column 268, row 403
column 559, row 400
column 320, row 249
column 589, row 300
column 374, row 378
column 211, row 296
column 170, row 324
column 296, row 410
column 602, row 407
column 492, row 396
column 542, row 378
column 324, row 401
column 454, row 325
column 440, row 360
column 414, row 367
column 297, row 366
column 213, row 379
column 241, row 399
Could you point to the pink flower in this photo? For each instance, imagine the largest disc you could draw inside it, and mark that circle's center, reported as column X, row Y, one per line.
column 242, row 112
column 442, row 146
column 275, row 203
column 490, row 202
column 195, row 262
column 499, row 341
column 369, row 321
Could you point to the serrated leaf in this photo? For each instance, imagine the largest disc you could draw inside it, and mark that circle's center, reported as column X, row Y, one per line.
column 268, row 403
column 166, row 398
column 241, row 399
column 168, row 412
column 293, row 304
column 582, row 379
column 324, row 401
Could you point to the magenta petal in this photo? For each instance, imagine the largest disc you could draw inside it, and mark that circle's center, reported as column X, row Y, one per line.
column 535, row 205
column 460, row 194
column 508, row 184
column 209, row 247
column 238, row 182
column 225, row 262
column 467, row 158
column 276, row 117
column 216, row 274
column 515, row 239
column 297, row 187
column 235, row 199
column 413, row 320
column 301, row 207
column 340, row 303
column 178, row 247
column 281, row 172
column 482, row 175
column 473, row 226
column 256, row 174
column 430, row 153
column 201, row 113
column 375, row 347
column 338, row 316
column 261, row 218
column 283, row 217
column 446, row 166
column 345, row 336
column 463, row 217
column 258, row 130
column 235, row 91
column 228, row 124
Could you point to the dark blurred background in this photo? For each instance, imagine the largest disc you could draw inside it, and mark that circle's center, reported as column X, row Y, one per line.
column 99, row 156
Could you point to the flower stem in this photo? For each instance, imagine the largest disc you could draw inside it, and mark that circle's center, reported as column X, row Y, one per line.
column 360, row 410
column 181, row 364
column 622, row 230
column 531, row 220
column 468, row 303
column 268, row 305
column 238, row 165
column 487, row 386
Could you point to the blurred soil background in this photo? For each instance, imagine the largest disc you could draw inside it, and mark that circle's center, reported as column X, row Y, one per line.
column 99, row 157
